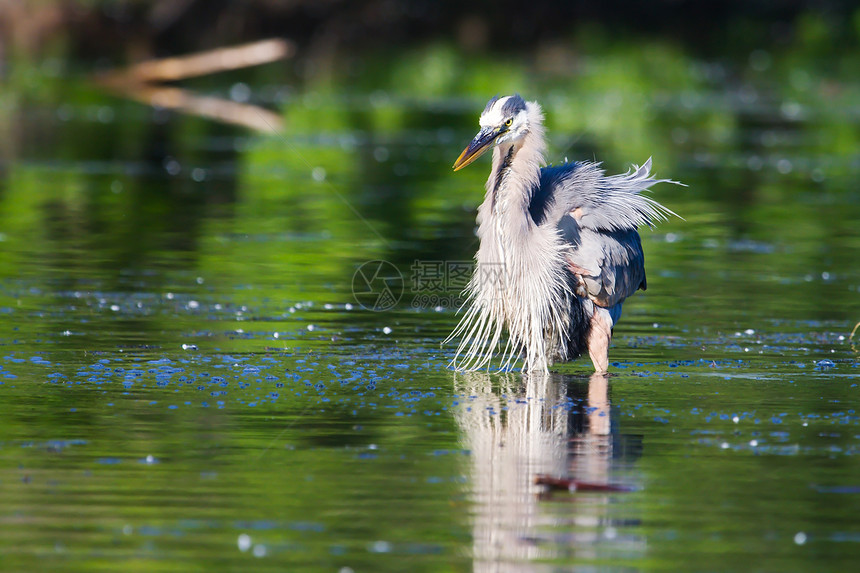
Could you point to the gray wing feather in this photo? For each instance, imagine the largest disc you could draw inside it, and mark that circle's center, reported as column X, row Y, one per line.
column 610, row 203
column 598, row 216
column 615, row 263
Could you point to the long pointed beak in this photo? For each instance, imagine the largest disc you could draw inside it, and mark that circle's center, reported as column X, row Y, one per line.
column 482, row 142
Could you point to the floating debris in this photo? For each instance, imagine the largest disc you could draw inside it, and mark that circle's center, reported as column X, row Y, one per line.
column 573, row 485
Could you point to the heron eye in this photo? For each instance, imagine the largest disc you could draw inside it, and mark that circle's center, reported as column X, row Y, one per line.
column 509, row 122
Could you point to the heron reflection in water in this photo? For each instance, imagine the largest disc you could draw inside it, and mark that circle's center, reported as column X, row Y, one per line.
column 559, row 248
column 518, row 428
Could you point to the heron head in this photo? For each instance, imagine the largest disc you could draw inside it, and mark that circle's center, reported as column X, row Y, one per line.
column 504, row 120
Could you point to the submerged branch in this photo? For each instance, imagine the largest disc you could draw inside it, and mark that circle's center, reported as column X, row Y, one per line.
column 223, row 110
column 139, row 83
column 211, row 61
column 851, row 338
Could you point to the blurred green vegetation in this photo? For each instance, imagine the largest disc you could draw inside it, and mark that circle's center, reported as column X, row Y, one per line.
column 361, row 171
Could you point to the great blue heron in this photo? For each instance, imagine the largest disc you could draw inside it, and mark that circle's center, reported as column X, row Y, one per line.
column 559, row 248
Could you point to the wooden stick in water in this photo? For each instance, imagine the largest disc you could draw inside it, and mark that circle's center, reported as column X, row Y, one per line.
column 223, row 110
column 211, row 62
column 140, row 83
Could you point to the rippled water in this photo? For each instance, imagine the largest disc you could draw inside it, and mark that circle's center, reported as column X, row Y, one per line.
column 187, row 381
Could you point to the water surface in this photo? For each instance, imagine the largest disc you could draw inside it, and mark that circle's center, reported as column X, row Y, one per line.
column 187, row 381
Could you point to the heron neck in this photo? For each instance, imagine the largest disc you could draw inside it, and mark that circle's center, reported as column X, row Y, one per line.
column 515, row 175
column 505, row 226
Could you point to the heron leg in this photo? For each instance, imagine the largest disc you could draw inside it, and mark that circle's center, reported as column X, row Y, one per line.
column 599, row 336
